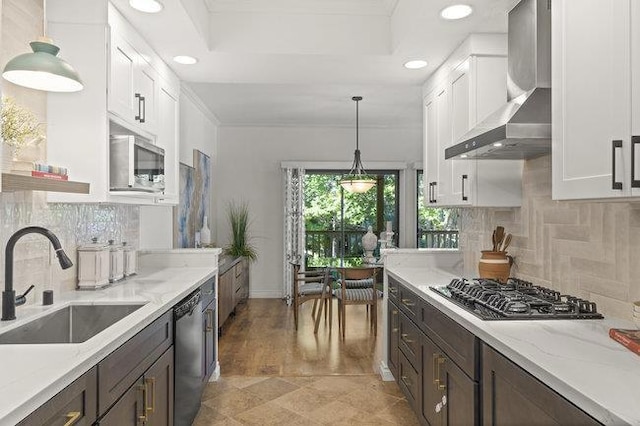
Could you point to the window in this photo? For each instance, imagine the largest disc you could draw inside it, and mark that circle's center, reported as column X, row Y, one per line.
column 336, row 220
column 437, row 227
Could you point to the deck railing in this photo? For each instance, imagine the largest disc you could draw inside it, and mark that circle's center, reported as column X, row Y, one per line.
column 324, row 247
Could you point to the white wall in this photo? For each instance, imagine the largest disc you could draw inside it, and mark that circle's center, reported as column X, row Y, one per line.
column 198, row 130
column 250, row 171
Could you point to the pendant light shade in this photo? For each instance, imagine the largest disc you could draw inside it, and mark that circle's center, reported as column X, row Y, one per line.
column 43, row 70
column 357, row 180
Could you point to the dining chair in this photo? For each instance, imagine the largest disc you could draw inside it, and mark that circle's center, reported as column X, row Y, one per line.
column 312, row 285
column 357, row 287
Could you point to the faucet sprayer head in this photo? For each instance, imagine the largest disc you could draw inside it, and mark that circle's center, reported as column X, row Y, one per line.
column 65, row 262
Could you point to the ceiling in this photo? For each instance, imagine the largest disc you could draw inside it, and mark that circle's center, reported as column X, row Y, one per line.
column 299, row 62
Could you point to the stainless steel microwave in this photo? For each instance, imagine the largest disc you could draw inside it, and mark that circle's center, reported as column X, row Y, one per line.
column 135, row 164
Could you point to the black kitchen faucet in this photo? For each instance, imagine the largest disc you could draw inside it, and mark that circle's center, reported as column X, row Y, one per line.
column 9, row 300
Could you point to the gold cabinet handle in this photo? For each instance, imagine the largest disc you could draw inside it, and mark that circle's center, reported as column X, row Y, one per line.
column 404, row 336
column 393, row 290
column 407, row 302
column 210, row 320
column 406, row 381
column 434, row 369
column 72, row 417
column 151, row 381
column 143, row 417
column 439, row 360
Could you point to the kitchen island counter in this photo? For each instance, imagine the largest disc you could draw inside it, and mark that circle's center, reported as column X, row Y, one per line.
column 576, row 358
column 33, row 373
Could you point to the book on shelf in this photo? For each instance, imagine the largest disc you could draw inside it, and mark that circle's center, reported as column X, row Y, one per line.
column 39, row 174
column 629, row 338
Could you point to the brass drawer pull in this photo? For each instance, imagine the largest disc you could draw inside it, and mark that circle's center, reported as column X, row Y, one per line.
column 406, row 381
column 404, row 338
column 393, row 290
column 72, row 417
column 143, row 417
column 152, row 381
column 408, row 302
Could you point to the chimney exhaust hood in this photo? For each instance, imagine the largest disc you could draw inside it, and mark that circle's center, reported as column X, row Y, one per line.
column 520, row 129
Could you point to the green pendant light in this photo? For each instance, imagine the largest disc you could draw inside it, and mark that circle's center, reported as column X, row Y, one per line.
column 42, row 69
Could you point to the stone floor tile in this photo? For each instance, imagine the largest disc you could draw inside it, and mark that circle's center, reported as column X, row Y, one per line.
column 234, row 402
column 271, row 413
column 304, row 401
column 369, row 400
column 271, row 388
column 400, row 413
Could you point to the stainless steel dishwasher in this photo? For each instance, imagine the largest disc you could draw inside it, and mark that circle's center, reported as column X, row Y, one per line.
column 188, row 348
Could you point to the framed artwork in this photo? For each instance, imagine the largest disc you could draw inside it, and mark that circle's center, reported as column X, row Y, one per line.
column 202, row 194
column 194, row 200
column 184, row 230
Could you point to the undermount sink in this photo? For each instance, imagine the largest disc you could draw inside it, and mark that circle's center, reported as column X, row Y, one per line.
column 71, row 324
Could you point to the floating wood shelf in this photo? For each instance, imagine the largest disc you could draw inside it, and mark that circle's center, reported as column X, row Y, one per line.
column 12, row 182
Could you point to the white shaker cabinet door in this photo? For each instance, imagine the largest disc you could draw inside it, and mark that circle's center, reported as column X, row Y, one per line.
column 442, row 189
column 430, row 175
column 591, row 99
column 462, row 171
column 635, row 97
column 122, row 71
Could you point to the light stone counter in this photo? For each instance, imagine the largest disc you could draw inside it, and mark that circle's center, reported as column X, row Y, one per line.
column 576, row 358
column 32, row 374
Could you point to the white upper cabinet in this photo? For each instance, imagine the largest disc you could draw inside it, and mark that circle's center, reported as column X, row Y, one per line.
column 594, row 92
column 133, row 82
column 468, row 87
column 116, row 65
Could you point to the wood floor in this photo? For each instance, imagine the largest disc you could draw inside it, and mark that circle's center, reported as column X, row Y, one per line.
column 275, row 375
column 262, row 340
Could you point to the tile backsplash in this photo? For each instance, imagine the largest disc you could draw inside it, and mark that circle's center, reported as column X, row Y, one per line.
column 73, row 224
column 581, row 248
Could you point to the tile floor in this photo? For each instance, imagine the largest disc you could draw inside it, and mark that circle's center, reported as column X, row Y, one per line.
column 275, row 375
column 304, row 400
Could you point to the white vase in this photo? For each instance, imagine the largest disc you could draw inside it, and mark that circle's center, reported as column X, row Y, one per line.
column 205, row 233
column 369, row 244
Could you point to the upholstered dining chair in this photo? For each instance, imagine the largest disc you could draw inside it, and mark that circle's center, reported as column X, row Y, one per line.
column 357, row 287
column 312, row 285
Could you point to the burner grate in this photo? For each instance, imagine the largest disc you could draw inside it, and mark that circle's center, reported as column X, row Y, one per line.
column 516, row 299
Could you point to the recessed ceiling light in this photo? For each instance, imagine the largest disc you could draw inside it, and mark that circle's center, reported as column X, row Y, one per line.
column 497, row 144
column 185, row 60
column 415, row 64
column 146, row 6
column 463, row 155
column 456, row 11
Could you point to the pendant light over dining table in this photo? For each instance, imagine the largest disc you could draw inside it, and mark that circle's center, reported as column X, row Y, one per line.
column 42, row 69
column 357, row 180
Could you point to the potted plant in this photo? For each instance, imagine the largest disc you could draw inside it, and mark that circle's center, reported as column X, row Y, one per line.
column 19, row 129
column 240, row 245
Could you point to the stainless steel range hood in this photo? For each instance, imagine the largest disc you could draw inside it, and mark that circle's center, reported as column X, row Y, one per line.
column 522, row 128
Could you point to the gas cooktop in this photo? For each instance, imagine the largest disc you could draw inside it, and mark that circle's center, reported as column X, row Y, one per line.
column 515, row 300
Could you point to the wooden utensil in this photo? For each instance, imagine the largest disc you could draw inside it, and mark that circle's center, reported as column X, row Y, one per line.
column 499, row 236
column 494, row 242
column 505, row 243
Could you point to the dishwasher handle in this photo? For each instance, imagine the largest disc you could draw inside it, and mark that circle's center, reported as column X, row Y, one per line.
column 188, row 305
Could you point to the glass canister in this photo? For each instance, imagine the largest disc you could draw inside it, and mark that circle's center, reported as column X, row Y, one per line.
column 93, row 265
column 116, row 262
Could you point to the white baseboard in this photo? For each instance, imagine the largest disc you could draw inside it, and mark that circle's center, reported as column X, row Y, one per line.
column 265, row 294
column 385, row 373
column 216, row 373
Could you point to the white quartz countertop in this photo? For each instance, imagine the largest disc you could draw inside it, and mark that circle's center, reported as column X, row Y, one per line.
column 576, row 358
column 32, row 374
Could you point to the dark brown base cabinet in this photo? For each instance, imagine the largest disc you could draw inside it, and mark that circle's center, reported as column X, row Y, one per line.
column 233, row 288
column 511, row 396
column 131, row 386
column 76, row 404
column 436, row 363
